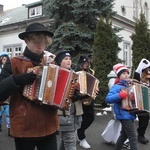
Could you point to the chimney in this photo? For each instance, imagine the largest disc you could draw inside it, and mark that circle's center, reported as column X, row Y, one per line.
column 1, row 8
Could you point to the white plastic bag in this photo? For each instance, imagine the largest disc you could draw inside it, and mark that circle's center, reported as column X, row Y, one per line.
column 112, row 131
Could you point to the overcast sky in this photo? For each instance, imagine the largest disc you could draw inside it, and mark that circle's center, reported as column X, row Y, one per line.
column 8, row 4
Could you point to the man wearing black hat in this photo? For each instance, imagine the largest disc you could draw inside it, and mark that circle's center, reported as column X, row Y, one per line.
column 88, row 110
column 32, row 125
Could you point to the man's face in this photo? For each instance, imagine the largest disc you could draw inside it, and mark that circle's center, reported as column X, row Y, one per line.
column 36, row 43
column 86, row 65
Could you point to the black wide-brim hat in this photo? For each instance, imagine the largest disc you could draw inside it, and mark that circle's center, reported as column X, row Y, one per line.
column 35, row 28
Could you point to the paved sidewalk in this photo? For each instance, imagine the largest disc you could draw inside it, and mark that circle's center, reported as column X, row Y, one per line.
column 93, row 135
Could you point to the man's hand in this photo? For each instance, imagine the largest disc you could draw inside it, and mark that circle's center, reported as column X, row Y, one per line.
column 24, row 79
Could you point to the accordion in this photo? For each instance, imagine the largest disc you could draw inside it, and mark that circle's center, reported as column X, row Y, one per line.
column 137, row 100
column 52, row 86
column 88, row 84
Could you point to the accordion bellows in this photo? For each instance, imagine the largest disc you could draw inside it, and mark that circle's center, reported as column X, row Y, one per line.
column 88, row 84
column 137, row 100
column 52, row 86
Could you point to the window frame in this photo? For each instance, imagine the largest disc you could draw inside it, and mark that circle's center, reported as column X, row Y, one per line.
column 135, row 9
column 127, row 54
column 37, row 10
column 13, row 50
column 146, row 10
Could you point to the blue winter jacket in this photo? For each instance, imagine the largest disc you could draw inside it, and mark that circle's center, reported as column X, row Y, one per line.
column 113, row 97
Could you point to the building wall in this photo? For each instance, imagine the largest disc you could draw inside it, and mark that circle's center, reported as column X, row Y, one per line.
column 130, row 6
column 127, row 21
column 124, row 19
column 11, row 42
column 17, row 23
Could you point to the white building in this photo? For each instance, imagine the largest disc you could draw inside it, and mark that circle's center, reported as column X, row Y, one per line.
column 128, row 11
column 14, row 21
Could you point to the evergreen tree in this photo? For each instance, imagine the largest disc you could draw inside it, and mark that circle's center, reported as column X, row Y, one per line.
column 74, row 25
column 75, row 22
column 105, row 54
column 141, row 41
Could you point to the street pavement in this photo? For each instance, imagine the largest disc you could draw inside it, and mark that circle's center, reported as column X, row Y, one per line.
column 93, row 135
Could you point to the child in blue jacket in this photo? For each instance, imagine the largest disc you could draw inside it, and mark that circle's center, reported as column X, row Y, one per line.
column 115, row 96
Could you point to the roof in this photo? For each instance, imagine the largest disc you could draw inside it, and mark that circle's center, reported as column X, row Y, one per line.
column 13, row 15
column 16, row 15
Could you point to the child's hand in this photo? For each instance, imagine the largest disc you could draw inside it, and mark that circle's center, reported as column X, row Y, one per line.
column 123, row 94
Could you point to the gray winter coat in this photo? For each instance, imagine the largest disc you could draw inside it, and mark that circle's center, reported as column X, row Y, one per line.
column 72, row 119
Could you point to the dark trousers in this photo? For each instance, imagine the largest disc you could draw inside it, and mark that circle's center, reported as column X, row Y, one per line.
column 127, row 132
column 143, row 123
column 87, row 119
column 44, row 143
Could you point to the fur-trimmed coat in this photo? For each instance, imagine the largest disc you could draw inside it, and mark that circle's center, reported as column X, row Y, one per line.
column 27, row 119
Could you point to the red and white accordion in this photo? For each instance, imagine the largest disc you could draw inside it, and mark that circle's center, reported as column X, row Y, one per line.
column 52, row 86
column 137, row 100
column 88, row 84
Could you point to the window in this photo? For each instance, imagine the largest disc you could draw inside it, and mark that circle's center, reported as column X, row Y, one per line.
column 35, row 11
column 135, row 9
column 146, row 10
column 123, row 10
column 13, row 50
column 127, row 54
column 17, row 50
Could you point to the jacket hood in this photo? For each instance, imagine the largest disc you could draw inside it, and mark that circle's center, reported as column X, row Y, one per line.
column 112, row 74
column 144, row 63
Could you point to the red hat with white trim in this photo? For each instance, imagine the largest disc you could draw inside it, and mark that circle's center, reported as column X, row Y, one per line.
column 119, row 69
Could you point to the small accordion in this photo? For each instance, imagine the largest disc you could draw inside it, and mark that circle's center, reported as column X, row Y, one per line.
column 52, row 86
column 137, row 100
column 88, row 84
